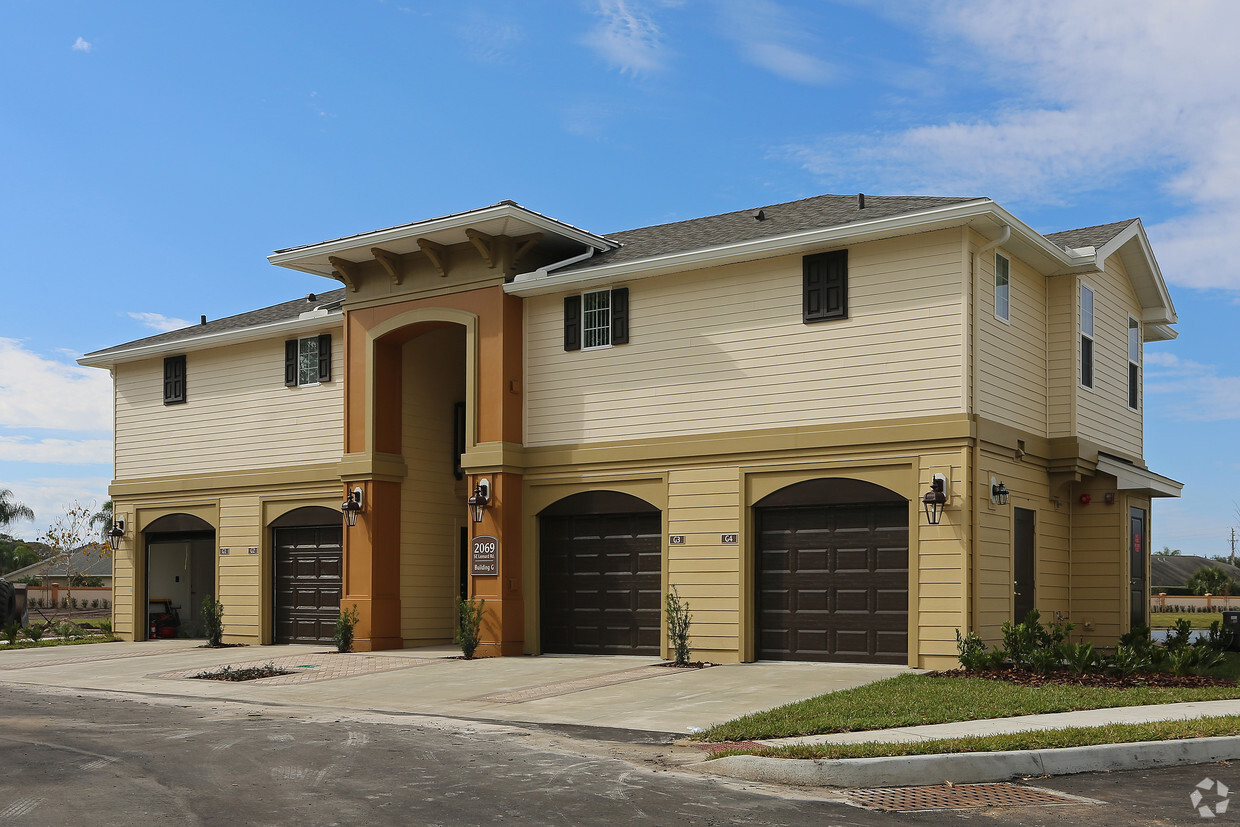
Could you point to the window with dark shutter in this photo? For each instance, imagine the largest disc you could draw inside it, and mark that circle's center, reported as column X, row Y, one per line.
column 174, row 380
column 825, row 286
column 620, row 316
column 325, row 357
column 572, row 322
column 290, row 363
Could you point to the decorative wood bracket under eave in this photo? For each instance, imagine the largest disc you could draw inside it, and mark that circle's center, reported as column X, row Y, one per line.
column 524, row 243
column 484, row 244
column 393, row 263
column 437, row 253
column 346, row 271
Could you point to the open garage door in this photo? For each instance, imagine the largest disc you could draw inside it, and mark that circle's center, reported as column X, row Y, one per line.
column 600, row 562
column 832, row 577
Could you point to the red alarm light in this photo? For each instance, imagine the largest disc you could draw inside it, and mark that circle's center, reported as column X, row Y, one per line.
column 1085, row 498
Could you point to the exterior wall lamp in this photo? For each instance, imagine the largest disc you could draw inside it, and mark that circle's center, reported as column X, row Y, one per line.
column 352, row 506
column 935, row 500
column 478, row 502
column 115, row 533
column 998, row 492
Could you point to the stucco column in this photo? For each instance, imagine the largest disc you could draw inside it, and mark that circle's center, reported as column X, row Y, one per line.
column 503, row 624
column 372, row 568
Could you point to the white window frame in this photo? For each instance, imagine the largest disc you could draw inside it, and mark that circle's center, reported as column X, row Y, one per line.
column 1006, row 315
column 1134, row 360
column 1087, row 335
column 301, row 356
column 600, row 330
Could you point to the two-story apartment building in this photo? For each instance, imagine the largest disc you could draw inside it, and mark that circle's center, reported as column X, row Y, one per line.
column 749, row 407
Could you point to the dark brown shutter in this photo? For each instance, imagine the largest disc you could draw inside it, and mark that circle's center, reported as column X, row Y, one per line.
column 620, row 316
column 325, row 357
column 572, row 322
column 290, row 363
column 825, row 286
column 174, row 380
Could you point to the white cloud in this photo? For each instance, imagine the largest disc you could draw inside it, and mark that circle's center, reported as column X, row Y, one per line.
column 771, row 38
column 1097, row 90
column 73, row 451
column 627, row 37
column 38, row 392
column 1195, row 392
column 81, row 45
column 50, row 497
column 158, row 321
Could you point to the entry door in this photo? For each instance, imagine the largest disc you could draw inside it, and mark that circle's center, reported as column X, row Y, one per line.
column 1023, row 562
column 1136, row 567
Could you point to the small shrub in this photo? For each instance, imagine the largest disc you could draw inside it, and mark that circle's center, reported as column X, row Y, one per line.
column 105, row 626
column 678, row 620
column 64, row 602
column 1184, row 660
column 1129, row 660
column 1081, row 658
column 105, row 604
column 94, row 604
column 1180, row 636
column 1217, row 638
column 69, row 630
column 468, row 625
column 1028, row 641
column 342, row 636
column 35, row 632
column 213, row 620
column 1045, row 660
column 10, row 630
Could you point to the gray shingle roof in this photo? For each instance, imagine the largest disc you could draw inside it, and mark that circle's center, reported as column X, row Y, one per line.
column 779, row 219
column 1096, row 236
column 89, row 564
column 1166, row 570
column 285, row 311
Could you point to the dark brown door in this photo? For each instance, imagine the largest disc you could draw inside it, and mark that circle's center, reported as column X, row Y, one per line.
column 1137, row 550
column 832, row 583
column 1023, row 562
column 600, row 590
column 308, row 583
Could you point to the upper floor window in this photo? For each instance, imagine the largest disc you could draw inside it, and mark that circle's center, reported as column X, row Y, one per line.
column 174, row 380
column 824, row 286
column 1087, row 336
column 1002, row 288
column 1134, row 363
column 308, row 361
column 597, row 319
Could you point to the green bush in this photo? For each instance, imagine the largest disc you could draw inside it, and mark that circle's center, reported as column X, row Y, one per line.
column 70, row 630
column 1028, row 643
column 468, row 625
column 10, row 630
column 678, row 620
column 34, row 632
column 342, row 636
column 105, row 626
column 1081, row 658
column 213, row 620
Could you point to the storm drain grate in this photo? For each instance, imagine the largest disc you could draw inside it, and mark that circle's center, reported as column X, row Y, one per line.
column 957, row 797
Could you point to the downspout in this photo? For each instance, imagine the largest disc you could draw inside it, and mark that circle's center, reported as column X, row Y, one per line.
column 543, row 272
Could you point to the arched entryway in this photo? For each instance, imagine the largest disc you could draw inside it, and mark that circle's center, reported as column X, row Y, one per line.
column 180, row 573
column 831, row 579
column 600, row 575
column 308, row 574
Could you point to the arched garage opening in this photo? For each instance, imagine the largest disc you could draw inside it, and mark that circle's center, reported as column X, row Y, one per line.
column 308, row 574
column 600, row 575
column 831, row 580
column 180, row 572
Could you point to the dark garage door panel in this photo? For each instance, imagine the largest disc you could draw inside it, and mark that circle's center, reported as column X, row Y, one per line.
column 309, row 567
column 600, row 579
column 833, row 583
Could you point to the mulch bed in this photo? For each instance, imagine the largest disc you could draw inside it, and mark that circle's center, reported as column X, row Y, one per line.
column 247, row 673
column 697, row 664
column 1028, row 677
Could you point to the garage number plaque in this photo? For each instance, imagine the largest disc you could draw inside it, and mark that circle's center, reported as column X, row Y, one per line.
column 484, row 555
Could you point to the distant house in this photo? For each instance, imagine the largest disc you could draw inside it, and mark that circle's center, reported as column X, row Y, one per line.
column 80, row 562
column 1167, row 572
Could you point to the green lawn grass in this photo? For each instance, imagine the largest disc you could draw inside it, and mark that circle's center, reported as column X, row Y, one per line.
column 1199, row 620
column 912, row 700
column 1228, row 725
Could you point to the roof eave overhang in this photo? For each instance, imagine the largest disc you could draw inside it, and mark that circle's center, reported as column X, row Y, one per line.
column 303, row 324
column 499, row 219
column 984, row 215
column 1139, row 480
column 1133, row 247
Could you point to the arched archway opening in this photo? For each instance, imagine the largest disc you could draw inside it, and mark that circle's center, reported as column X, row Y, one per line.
column 831, row 573
column 600, row 575
column 307, row 576
column 179, row 575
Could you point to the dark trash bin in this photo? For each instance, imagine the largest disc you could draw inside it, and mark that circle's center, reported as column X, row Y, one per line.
column 1231, row 622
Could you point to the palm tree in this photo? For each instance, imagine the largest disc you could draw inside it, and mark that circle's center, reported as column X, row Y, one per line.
column 1213, row 581
column 11, row 510
column 102, row 519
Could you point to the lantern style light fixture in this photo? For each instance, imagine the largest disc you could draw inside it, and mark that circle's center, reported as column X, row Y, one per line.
column 478, row 502
column 352, row 506
column 935, row 499
column 998, row 492
column 115, row 533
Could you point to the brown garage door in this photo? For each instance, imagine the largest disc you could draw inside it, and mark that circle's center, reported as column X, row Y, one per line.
column 600, row 583
column 832, row 583
column 308, row 583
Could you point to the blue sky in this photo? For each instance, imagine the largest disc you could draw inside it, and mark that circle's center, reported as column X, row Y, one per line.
column 152, row 154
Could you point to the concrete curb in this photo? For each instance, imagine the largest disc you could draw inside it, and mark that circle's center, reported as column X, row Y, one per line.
column 973, row 767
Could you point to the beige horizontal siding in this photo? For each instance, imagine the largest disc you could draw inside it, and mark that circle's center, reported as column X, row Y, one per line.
column 1103, row 415
column 726, row 349
column 238, row 414
column 1011, row 356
